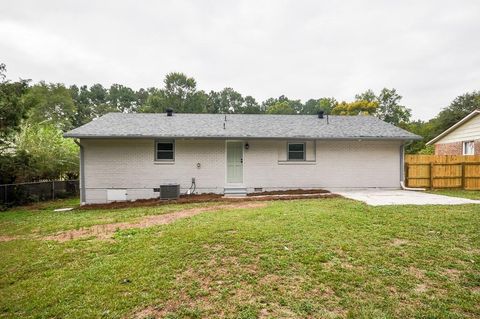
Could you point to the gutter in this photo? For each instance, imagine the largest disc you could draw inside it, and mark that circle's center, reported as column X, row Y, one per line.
column 350, row 138
column 82, row 172
column 402, row 171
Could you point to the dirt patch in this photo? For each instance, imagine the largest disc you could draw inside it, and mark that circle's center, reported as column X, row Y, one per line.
column 8, row 238
column 399, row 242
column 421, row 288
column 291, row 192
column 209, row 198
column 107, row 230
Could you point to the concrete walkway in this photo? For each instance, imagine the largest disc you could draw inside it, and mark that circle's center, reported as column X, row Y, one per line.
column 378, row 197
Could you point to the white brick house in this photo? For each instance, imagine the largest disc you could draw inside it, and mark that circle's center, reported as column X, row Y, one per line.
column 127, row 156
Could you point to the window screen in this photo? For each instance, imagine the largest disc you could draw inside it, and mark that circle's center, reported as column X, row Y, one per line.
column 296, row 151
column 165, row 151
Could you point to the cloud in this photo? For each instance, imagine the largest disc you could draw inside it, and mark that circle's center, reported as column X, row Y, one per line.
column 304, row 49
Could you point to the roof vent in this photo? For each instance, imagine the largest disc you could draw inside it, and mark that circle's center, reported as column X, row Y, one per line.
column 320, row 114
column 169, row 112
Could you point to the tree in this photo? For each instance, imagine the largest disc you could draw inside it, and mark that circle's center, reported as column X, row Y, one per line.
column 51, row 103
column 179, row 91
column 313, row 106
column 389, row 108
column 295, row 105
column 122, row 99
column 51, row 155
column 156, row 102
column 460, row 107
column 368, row 96
column 355, row 108
column 12, row 107
column 280, row 108
column 250, row 106
column 226, row 101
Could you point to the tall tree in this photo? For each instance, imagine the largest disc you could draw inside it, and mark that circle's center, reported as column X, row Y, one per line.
column 295, row 105
column 51, row 155
column 280, row 108
column 313, row 106
column 122, row 99
column 460, row 107
column 389, row 108
column 51, row 103
column 250, row 106
column 355, row 108
column 12, row 107
column 179, row 91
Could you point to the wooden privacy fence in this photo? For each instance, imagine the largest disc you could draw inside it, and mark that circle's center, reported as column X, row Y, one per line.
column 443, row 171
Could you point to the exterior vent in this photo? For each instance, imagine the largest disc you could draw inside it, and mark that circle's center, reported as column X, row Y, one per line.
column 170, row 191
column 169, row 112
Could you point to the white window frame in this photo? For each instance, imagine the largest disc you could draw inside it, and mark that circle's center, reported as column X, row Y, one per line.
column 297, row 159
column 156, row 150
column 471, row 146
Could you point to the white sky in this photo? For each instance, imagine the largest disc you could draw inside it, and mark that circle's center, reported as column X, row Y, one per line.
column 428, row 50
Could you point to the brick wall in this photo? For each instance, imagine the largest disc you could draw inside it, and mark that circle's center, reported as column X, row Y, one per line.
column 129, row 165
column 454, row 148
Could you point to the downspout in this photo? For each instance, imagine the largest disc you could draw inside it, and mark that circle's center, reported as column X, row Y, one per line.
column 402, row 171
column 82, row 172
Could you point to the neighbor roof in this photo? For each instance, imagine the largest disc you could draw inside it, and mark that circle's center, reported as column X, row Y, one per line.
column 454, row 127
column 159, row 125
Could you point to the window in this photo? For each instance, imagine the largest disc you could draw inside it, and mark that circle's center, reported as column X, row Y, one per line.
column 164, row 151
column 468, row 148
column 296, row 151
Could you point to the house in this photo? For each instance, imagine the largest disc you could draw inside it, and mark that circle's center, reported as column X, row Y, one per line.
column 127, row 156
column 463, row 138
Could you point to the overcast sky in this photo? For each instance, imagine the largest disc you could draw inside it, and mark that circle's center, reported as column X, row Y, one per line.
column 428, row 50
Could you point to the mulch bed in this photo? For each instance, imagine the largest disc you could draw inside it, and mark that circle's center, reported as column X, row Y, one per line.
column 208, row 198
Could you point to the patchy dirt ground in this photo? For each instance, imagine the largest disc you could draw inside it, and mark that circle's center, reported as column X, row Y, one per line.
column 208, row 198
column 107, row 230
column 7, row 238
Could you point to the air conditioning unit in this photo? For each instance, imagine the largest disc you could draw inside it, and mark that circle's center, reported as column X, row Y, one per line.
column 169, row 191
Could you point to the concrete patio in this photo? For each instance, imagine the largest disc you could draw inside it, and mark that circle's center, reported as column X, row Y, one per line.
column 379, row 197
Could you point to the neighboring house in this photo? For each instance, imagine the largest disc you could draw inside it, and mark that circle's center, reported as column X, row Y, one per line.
column 462, row 138
column 127, row 156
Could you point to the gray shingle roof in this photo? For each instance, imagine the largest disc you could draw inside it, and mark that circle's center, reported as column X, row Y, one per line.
column 158, row 125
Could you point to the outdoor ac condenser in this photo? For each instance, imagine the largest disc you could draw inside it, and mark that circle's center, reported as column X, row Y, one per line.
column 170, row 191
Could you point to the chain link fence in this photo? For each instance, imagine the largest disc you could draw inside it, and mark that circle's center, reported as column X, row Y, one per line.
column 16, row 194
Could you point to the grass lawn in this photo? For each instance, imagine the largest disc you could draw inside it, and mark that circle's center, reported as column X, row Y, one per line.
column 457, row 193
column 318, row 258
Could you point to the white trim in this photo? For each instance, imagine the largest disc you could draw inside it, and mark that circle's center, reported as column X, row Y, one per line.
column 453, row 127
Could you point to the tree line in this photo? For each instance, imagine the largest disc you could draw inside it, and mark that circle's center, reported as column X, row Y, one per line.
column 33, row 117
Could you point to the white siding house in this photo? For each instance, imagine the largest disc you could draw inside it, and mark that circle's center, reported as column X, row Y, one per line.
column 120, row 162
column 463, row 138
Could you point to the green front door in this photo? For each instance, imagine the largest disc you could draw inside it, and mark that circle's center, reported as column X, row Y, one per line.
column 235, row 162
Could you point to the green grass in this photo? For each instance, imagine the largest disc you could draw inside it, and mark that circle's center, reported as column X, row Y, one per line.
column 293, row 259
column 457, row 193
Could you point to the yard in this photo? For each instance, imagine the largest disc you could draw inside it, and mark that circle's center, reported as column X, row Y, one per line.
column 318, row 258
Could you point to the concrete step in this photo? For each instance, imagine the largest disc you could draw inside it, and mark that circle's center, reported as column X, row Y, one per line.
column 235, row 191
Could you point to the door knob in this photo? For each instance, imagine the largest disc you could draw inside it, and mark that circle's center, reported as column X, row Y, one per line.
column 241, row 160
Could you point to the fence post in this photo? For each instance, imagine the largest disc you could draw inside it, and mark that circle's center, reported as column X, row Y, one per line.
column 463, row 175
column 53, row 189
column 405, row 172
column 431, row 175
